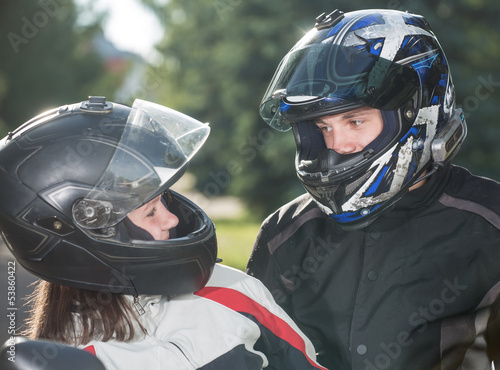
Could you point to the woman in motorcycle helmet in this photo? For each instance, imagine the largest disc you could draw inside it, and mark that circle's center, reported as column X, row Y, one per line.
column 128, row 267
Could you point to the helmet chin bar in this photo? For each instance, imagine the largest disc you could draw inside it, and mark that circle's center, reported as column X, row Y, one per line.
column 329, row 161
column 318, row 176
column 326, row 196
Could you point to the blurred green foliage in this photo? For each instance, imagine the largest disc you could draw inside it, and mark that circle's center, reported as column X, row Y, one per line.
column 47, row 59
column 235, row 238
column 220, row 56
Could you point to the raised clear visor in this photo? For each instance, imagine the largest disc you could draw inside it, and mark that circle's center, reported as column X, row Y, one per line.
column 317, row 73
column 156, row 144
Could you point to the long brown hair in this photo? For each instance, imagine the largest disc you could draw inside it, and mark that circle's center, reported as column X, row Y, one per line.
column 77, row 316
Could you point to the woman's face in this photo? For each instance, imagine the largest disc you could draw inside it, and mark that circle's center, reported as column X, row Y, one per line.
column 154, row 218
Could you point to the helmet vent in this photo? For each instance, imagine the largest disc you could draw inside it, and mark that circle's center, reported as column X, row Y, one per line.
column 96, row 104
column 327, row 21
column 55, row 225
column 353, row 186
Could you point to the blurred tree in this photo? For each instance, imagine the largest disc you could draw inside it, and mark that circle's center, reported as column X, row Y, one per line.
column 47, row 59
column 220, row 55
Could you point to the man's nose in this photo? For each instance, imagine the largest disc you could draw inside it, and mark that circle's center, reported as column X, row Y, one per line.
column 340, row 141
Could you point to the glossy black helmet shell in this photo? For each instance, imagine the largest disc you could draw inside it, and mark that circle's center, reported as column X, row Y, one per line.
column 53, row 162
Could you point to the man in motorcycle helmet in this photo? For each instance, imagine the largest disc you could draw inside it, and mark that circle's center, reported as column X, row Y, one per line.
column 127, row 266
column 390, row 260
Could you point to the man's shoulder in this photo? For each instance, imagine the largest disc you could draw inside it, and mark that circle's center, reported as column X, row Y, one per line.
column 299, row 218
column 476, row 194
column 466, row 179
column 302, row 207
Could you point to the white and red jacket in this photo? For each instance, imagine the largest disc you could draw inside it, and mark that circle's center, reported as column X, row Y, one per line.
column 232, row 323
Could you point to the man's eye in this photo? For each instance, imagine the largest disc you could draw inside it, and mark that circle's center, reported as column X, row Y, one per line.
column 324, row 128
column 356, row 122
column 152, row 213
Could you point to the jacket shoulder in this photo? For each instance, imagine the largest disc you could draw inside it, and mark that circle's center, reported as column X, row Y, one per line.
column 300, row 218
column 475, row 194
column 226, row 277
column 295, row 213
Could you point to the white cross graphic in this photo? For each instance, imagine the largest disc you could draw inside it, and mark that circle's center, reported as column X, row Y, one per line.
column 394, row 30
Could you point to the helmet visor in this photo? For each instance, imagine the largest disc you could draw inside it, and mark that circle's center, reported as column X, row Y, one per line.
column 156, row 145
column 319, row 77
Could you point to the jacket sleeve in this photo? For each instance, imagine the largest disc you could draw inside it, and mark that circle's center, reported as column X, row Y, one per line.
column 145, row 354
column 284, row 344
column 262, row 266
column 280, row 341
column 493, row 333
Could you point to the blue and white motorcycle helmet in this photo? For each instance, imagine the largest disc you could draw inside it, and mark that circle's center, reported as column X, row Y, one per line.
column 384, row 59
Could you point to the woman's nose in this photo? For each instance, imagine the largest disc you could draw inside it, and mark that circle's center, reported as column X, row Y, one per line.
column 168, row 219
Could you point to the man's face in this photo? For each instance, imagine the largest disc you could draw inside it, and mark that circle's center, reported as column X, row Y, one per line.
column 351, row 131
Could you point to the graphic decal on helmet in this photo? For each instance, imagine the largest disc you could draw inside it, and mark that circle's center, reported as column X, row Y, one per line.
column 383, row 59
column 392, row 28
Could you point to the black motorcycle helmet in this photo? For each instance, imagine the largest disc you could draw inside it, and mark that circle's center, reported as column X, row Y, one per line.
column 70, row 176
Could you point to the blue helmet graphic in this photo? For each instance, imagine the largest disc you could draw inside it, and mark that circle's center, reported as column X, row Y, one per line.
column 383, row 59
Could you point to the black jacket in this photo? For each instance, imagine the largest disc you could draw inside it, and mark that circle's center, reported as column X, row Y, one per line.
column 419, row 288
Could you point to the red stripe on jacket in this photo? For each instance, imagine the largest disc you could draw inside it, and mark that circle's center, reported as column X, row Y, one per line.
column 239, row 302
column 90, row 349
